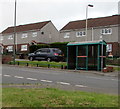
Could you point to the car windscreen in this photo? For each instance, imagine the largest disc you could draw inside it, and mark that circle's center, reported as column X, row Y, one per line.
column 57, row 51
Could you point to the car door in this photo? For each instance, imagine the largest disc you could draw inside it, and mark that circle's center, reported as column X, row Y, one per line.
column 37, row 55
column 44, row 53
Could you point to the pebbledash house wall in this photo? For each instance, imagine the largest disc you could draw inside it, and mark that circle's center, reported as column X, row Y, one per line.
column 94, row 33
column 46, row 34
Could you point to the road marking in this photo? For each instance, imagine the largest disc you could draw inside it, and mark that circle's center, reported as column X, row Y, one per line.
column 7, row 75
column 33, row 79
column 115, row 79
column 64, row 83
column 20, row 77
column 46, row 81
column 80, row 86
column 101, row 78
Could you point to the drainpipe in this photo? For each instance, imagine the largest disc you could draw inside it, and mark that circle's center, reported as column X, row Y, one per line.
column 92, row 34
column 92, row 40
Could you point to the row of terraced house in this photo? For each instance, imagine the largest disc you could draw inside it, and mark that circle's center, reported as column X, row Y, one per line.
column 105, row 28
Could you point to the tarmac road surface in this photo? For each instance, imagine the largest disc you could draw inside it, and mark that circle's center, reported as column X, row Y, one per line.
column 60, row 78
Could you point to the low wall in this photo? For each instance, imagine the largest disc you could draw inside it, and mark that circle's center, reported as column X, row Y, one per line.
column 6, row 59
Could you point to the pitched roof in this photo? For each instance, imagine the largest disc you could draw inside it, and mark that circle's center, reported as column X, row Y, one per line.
column 95, row 22
column 26, row 27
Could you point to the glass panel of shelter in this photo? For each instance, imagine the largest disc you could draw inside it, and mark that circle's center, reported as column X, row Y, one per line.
column 81, row 57
column 89, row 57
column 71, row 59
column 92, row 57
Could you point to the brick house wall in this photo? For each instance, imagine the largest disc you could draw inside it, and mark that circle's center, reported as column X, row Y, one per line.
column 115, row 48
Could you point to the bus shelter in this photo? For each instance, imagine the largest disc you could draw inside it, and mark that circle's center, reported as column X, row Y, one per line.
column 89, row 55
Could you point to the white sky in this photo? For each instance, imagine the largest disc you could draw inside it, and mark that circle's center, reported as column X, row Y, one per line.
column 60, row 12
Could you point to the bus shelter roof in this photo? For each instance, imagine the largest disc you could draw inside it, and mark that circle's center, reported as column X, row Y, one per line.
column 87, row 43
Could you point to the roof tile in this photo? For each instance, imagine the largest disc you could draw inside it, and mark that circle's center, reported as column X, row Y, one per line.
column 27, row 27
column 95, row 22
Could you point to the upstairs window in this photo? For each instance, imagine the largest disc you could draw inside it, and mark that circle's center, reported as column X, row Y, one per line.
column 10, row 37
column 80, row 33
column 106, row 31
column 24, row 35
column 67, row 35
column 34, row 34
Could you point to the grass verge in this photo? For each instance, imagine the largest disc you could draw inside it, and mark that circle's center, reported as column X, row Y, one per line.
column 116, row 68
column 41, row 64
column 50, row 97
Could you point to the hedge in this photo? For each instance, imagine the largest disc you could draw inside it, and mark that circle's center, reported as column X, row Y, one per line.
column 61, row 45
column 33, row 48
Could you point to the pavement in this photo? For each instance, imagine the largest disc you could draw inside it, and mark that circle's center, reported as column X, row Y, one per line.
column 111, row 74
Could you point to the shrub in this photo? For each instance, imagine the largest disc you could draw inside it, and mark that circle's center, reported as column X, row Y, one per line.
column 61, row 45
column 32, row 48
column 43, row 46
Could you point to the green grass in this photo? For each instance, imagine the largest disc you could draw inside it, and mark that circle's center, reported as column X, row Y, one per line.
column 42, row 63
column 50, row 97
column 116, row 68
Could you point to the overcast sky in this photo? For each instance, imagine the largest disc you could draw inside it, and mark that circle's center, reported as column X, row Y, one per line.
column 60, row 12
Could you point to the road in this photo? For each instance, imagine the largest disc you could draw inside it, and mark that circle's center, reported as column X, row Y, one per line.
column 61, row 78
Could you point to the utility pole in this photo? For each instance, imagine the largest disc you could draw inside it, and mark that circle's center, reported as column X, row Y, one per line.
column 14, row 46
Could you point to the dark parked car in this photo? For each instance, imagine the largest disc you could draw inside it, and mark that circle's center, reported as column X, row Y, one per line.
column 48, row 54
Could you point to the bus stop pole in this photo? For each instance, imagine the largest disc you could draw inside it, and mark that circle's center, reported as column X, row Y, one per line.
column 101, row 57
column 76, row 57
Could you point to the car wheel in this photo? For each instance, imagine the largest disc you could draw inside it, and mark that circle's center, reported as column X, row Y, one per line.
column 48, row 59
column 31, row 58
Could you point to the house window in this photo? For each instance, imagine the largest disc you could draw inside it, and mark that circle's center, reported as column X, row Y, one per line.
column 1, row 38
column 67, row 35
column 34, row 34
column 10, row 48
column 24, row 35
column 10, row 37
column 109, row 47
column 80, row 33
column 106, row 31
column 23, row 47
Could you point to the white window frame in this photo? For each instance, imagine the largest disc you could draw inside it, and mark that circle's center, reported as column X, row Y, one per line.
column 24, row 47
column 24, row 35
column 80, row 34
column 34, row 34
column 106, row 31
column 10, row 37
column 109, row 48
column 10, row 48
column 66, row 35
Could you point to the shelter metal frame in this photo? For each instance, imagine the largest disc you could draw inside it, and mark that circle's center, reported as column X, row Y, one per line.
column 86, row 55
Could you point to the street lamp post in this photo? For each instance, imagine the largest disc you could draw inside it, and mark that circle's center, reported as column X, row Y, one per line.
column 87, row 17
column 14, row 46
